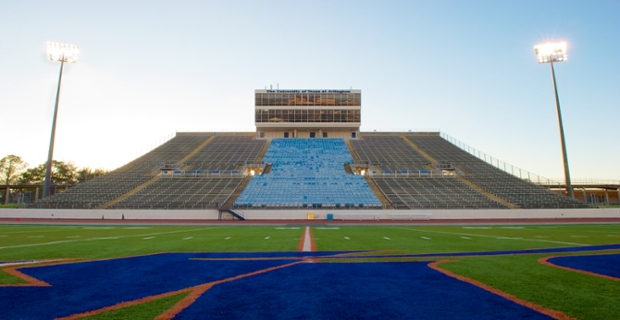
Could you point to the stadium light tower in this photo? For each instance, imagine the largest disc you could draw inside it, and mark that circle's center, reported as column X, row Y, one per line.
column 550, row 53
column 63, row 53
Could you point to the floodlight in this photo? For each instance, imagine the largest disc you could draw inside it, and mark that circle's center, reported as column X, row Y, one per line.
column 62, row 52
column 551, row 52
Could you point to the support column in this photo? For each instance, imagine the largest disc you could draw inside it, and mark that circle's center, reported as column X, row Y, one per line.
column 585, row 197
column 6, row 195
column 606, row 197
column 36, row 195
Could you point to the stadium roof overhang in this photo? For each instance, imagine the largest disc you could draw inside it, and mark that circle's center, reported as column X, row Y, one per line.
column 349, row 126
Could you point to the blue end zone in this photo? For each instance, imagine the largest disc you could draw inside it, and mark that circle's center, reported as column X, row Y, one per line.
column 86, row 286
column 392, row 290
column 606, row 264
column 347, row 290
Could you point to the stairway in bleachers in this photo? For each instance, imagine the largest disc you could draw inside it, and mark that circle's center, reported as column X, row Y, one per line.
column 307, row 173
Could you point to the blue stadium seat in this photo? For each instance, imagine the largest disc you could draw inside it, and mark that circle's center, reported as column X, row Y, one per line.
column 307, row 172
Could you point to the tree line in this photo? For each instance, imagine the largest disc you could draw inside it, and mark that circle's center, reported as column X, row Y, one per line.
column 14, row 170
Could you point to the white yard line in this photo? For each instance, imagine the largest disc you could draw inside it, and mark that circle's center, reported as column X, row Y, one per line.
column 21, row 263
column 495, row 237
column 35, row 231
column 102, row 238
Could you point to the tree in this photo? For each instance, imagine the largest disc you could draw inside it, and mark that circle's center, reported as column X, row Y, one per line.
column 87, row 173
column 62, row 173
column 11, row 167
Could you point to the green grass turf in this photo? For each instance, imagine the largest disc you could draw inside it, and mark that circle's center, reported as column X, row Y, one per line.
column 577, row 295
column 149, row 310
column 425, row 239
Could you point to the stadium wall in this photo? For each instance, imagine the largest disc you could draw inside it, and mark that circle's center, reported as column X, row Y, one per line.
column 110, row 214
column 318, row 214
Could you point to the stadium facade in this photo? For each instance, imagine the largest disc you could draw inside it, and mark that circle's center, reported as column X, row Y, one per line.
column 305, row 113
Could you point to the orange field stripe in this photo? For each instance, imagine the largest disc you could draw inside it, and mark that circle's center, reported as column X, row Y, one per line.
column 545, row 262
column 31, row 281
column 192, row 297
column 546, row 311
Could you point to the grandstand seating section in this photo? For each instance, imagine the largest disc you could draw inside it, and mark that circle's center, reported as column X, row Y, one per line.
column 520, row 192
column 308, row 173
column 391, row 154
column 224, row 154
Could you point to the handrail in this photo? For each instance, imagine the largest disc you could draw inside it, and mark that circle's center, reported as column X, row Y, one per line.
column 518, row 172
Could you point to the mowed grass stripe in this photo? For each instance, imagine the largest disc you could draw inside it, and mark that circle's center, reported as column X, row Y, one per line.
column 99, row 244
column 448, row 238
column 105, row 238
column 497, row 237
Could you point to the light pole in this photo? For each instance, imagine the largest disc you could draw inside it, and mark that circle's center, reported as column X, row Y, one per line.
column 63, row 53
column 550, row 53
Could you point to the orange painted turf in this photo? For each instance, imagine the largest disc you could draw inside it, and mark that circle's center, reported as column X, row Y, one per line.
column 545, row 262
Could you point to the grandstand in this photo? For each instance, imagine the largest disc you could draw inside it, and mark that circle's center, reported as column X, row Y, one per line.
column 198, row 171
column 308, row 152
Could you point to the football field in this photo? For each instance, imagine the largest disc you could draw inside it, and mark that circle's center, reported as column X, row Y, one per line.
column 321, row 272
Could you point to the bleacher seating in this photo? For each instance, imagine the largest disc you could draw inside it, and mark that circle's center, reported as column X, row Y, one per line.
column 403, row 175
column 93, row 193
column 307, row 173
column 502, row 184
column 223, row 154
column 390, row 154
column 432, row 193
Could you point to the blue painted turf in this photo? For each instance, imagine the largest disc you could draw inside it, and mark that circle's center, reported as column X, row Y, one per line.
column 80, row 287
column 392, row 290
column 606, row 264
column 346, row 290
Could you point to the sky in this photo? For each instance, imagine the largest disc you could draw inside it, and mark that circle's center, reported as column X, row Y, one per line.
column 149, row 69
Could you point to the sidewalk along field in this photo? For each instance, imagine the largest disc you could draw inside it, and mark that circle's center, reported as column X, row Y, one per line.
column 510, row 270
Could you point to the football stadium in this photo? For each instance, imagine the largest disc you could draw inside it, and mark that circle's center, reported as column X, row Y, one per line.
column 308, row 217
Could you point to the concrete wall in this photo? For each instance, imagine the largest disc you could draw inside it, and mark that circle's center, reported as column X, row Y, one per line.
column 432, row 214
column 319, row 214
column 109, row 214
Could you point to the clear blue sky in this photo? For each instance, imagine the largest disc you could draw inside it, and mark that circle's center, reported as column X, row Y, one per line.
column 466, row 68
